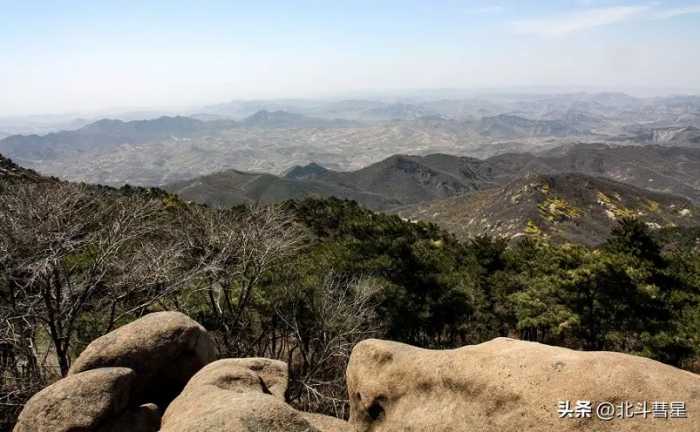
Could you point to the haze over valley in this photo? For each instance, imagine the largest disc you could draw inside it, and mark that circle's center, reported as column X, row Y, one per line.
column 274, row 136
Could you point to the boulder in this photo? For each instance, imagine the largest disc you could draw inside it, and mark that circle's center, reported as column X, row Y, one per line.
column 243, row 395
column 507, row 385
column 273, row 373
column 81, row 402
column 326, row 423
column 165, row 349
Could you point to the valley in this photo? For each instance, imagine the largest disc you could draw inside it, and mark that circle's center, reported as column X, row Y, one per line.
column 347, row 135
column 450, row 161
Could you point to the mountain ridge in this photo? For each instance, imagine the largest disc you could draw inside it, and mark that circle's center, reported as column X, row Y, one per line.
column 410, row 179
column 568, row 207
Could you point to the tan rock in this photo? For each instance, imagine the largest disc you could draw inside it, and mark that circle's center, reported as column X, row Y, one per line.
column 81, row 402
column 508, row 386
column 165, row 349
column 229, row 395
column 274, row 373
column 326, row 423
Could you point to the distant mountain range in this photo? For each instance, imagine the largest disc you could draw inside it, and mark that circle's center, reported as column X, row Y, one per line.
column 564, row 207
column 102, row 135
column 673, row 170
column 509, row 126
column 349, row 135
column 396, row 154
column 404, row 180
column 352, row 109
column 105, row 134
column 608, row 106
column 284, row 119
column 499, row 196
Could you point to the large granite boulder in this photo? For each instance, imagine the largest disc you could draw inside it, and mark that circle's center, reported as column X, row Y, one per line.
column 88, row 401
column 274, row 374
column 245, row 395
column 507, row 385
column 164, row 349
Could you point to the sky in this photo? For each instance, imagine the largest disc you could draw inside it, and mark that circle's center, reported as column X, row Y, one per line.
column 82, row 56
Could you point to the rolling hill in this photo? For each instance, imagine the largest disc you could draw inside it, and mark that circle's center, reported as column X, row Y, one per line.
column 233, row 187
column 284, row 119
column 404, row 180
column 10, row 172
column 396, row 181
column 464, row 195
column 512, row 126
column 348, row 135
column 101, row 136
column 688, row 136
column 563, row 207
column 674, row 170
column 105, row 135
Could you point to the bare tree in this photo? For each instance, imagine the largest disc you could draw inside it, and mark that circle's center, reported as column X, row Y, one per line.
column 235, row 249
column 66, row 250
column 342, row 313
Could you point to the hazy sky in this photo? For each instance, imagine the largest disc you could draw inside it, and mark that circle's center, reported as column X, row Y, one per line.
column 58, row 56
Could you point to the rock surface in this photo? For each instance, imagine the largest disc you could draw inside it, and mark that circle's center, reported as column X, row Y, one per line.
column 165, row 349
column 82, row 402
column 234, row 395
column 163, row 356
column 508, row 386
column 273, row 373
column 326, row 423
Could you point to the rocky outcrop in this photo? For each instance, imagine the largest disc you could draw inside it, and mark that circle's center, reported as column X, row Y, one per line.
column 124, row 381
column 512, row 386
column 274, row 374
column 164, row 349
column 243, row 395
column 86, row 401
column 326, row 423
column 160, row 357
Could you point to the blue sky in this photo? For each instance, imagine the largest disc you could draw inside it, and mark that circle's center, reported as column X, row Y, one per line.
column 77, row 56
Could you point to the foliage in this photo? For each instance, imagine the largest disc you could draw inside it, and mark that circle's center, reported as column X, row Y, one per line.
column 305, row 281
column 556, row 209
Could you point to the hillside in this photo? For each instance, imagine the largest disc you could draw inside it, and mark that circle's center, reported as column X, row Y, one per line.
column 102, row 135
column 674, row 170
column 233, row 187
column 11, row 172
column 396, row 181
column 673, row 136
column 564, row 207
column 405, row 180
column 323, row 275
column 106, row 135
column 345, row 135
column 511, row 126
column 409, row 179
column 284, row 119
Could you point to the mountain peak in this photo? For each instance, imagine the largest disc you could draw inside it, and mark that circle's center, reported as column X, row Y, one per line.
column 305, row 172
column 565, row 207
